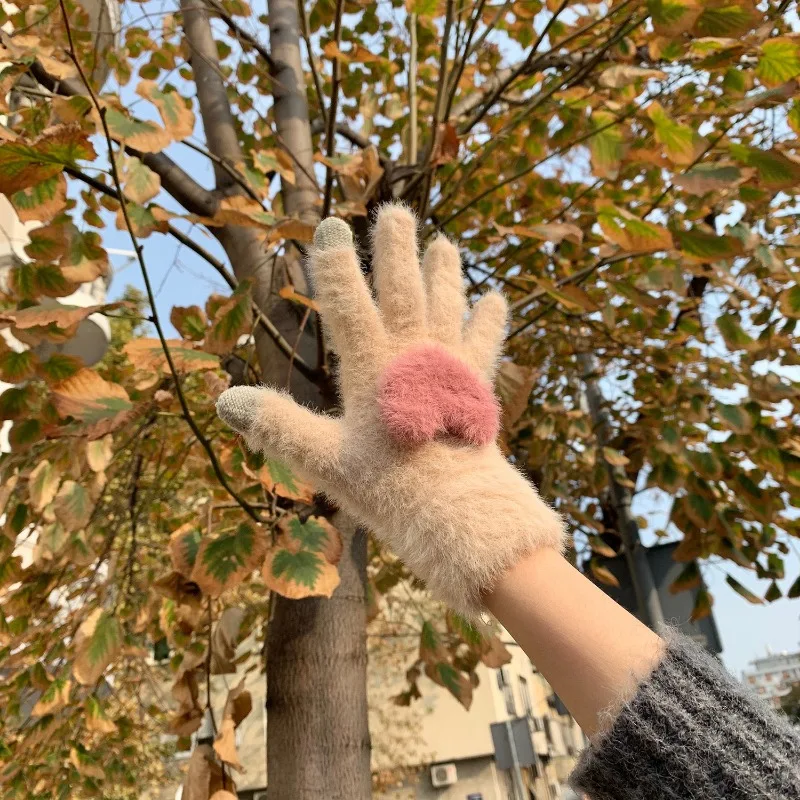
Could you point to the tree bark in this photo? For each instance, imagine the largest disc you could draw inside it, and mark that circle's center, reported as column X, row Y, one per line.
column 318, row 742
column 291, row 108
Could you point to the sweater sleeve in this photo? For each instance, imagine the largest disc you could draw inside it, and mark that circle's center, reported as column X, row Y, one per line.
column 692, row 731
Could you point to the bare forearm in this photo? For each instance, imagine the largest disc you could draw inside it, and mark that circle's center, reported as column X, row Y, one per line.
column 591, row 651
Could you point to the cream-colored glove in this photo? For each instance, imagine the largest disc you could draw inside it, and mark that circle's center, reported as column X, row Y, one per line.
column 413, row 456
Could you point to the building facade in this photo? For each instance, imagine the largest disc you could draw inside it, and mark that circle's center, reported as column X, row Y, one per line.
column 773, row 676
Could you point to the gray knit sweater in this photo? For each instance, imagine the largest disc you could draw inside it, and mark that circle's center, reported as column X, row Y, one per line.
column 692, row 731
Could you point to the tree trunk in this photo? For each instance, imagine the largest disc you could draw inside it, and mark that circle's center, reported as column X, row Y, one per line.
column 317, row 730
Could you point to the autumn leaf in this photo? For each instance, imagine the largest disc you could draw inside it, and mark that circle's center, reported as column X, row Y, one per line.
column 189, row 321
column 790, row 301
column 631, row 233
column 702, row 605
column 743, row 591
column 682, row 144
column 705, row 178
column 674, row 17
column 176, row 115
column 72, row 505
column 148, row 355
column 99, row 453
column 141, row 183
column 42, row 201
column 232, row 319
column 97, row 720
column 238, row 705
column 183, row 546
column 98, row 642
column 23, row 165
column 43, row 484
column 456, row 682
column 224, row 641
column 302, row 563
column 621, row 75
column 62, row 315
column 277, row 478
column 16, row 367
column 289, row 293
column 92, row 400
column 224, row 560
column 143, row 135
column 53, row 699
column 603, row 574
column 555, row 232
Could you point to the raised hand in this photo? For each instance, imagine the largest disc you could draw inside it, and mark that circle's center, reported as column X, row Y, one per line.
column 413, row 455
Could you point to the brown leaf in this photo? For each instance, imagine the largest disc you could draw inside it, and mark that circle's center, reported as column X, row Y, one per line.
column 224, row 641
column 53, row 699
column 603, row 574
column 495, row 654
column 447, row 144
column 93, row 400
column 514, row 385
column 63, row 316
column 290, row 228
column 147, row 355
column 204, row 775
column 225, row 745
column 621, row 75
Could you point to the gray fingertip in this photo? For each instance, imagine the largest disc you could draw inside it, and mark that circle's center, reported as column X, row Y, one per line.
column 332, row 233
column 239, row 407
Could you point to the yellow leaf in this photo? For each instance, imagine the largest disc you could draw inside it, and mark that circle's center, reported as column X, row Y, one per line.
column 621, row 75
column 53, row 699
column 630, row 233
column 43, row 484
column 603, row 574
column 97, row 643
column 99, row 453
column 289, row 293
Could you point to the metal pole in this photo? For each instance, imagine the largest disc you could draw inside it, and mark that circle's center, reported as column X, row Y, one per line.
column 515, row 770
column 644, row 586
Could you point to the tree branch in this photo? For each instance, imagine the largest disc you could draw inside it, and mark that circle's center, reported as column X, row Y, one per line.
column 242, row 35
column 246, row 507
column 330, row 135
column 186, row 190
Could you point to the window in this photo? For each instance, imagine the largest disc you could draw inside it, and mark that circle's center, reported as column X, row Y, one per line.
column 526, row 696
column 504, row 682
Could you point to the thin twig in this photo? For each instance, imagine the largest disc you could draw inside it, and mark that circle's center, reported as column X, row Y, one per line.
column 318, row 88
column 296, row 345
column 330, row 134
column 146, row 277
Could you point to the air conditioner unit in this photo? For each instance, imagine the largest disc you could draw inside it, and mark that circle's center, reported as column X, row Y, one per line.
column 443, row 775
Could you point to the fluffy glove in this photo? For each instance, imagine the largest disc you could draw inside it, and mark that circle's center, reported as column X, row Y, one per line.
column 413, row 456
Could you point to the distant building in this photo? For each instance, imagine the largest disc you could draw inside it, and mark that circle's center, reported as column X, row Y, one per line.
column 459, row 759
column 773, row 676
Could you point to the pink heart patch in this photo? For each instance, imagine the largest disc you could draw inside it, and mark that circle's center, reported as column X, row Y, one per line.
column 427, row 391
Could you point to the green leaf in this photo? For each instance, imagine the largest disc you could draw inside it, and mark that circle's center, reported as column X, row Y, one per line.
column 790, row 301
column 732, row 332
column 311, row 534
column 794, row 589
column 682, row 144
column 59, row 367
column 673, row 17
column 705, row 246
column 456, row 682
column 779, row 62
column 17, row 402
column 731, row 20
column 607, row 145
column 302, row 567
column 743, row 591
column 225, row 560
column 97, row 644
column 735, row 418
column 176, row 115
column 773, row 593
column 278, row 479
column 431, row 646
column 464, row 629
column 705, row 464
column 774, row 169
column 700, row 510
